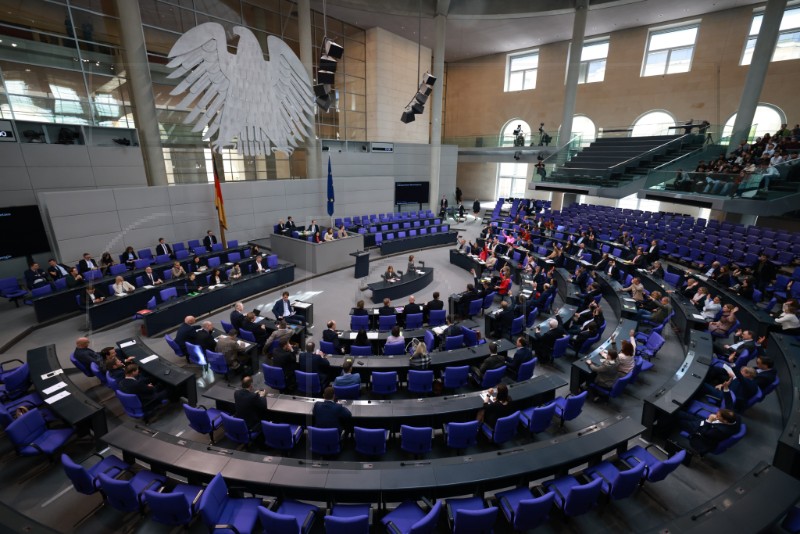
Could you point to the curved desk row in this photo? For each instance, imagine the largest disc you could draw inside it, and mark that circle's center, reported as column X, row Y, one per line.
column 390, row 414
column 373, row 481
column 172, row 312
column 63, row 397
column 179, row 381
column 580, row 371
column 63, row 302
column 785, row 350
column 407, row 285
column 404, row 244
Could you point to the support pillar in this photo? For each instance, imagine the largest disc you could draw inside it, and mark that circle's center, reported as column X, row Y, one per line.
column 762, row 55
column 306, row 58
column 573, row 70
column 436, row 98
column 137, row 72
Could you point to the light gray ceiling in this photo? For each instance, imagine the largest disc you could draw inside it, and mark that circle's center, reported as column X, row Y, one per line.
column 481, row 27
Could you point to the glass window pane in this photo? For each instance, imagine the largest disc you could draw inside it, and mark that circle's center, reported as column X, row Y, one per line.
column 583, row 69
column 504, row 187
column 755, row 27
column 596, row 71
column 530, row 61
column 791, row 19
column 518, row 188
column 530, row 79
column 656, row 63
column 749, row 46
column 653, row 123
column 673, row 38
column 788, row 47
column 515, row 81
column 595, row 51
column 680, row 60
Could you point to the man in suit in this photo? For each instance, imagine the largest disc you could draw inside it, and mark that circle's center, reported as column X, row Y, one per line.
column 249, row 404
column 290, row 224
column 492, row 361
column 283, row 309
column 35, row 277
column 87, row 263
column 204, row 338
column 387, row 308
column 138, row 385
column 186, row 332
column 451, row 329
column 56, row 270
column 312, row 361
column 434, row 304
column 163, row 248
column 580, row 338
column 611, row 269
column 653, row 253
column 443, row 206
column 348, row 377
column 739, row 387
column 313, row 228
column 743, row 342
column 260, row 265
column 237, row 315
column 209, row 239
column 580, row 279
column 151, row 279
column 279, row 333
column 765, row 372
column 656, row 270
column 331, row 336
column 328, row 414
column 412, row 307
column 764, row 272
column 284, row 357
column 522, row 355
column 85, row 355
column 258, row 330
column 543, row 343
column 548, row 291
column 503, row 321
column 706, row 434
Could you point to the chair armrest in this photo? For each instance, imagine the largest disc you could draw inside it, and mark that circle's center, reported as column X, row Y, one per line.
column 9, row 361
column 393, row 528
column 307, row 521
column 226, row 526
column 35, row 446
column 555, row 488
column 507, row 505
column 196, row 499
column 427, row 501
column 152, row 483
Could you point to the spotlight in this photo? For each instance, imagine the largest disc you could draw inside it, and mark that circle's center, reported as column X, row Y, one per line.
column 417, row 108
column 327, row 63
column 324, row 102
column 325, row 76
column 408, row 116
column 429, row 79
column 321, row 90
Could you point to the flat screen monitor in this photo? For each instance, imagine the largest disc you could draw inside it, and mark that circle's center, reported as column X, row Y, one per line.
column 23, row 232
column 411, row 192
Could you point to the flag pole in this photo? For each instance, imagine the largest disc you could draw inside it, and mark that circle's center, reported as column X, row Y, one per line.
column 218, row 203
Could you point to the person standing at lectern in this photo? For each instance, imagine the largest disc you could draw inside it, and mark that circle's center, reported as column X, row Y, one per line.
column 443, row 206
column 411, row 266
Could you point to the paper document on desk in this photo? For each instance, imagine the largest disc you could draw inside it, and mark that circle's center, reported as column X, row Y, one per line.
column 439, row 329
column 486, row 397
column 353, row 335
column 148, row 287
column 372, row 335
column 148, row 359
column 51, row 374
column 52, row 389
column 57, row 397
column 698, row 316
column 127, row 344
column 420, row 272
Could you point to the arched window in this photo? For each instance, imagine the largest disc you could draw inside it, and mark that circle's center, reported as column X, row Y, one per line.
column 512, row 177
column 656, row 122
column 767, row 119
column 584, row 126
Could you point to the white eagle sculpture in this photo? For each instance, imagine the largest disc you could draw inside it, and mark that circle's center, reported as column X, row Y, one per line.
column 264, row 105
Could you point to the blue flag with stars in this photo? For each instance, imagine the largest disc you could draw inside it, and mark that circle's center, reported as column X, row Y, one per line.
column 330, row 188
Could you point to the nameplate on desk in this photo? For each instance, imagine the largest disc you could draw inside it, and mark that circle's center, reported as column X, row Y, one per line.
column 626, row 299
column 149, row 359
column 439, row 329
column 372, row 335
column 148, row 287
column 121, row 295
column 51, row 374
column 353, row 335
column 57, row 397
column 127, row 344
column 698, row 317
column 228, row 263
column 55, row 387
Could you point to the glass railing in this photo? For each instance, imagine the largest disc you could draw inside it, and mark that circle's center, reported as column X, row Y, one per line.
column 729, row 185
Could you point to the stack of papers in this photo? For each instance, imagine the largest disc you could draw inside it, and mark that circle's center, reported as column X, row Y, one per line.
column 127, row 344
column 55, row 387
column 56, row 397
column 148, row 359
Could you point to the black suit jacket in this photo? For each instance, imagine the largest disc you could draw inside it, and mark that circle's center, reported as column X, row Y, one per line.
column 708, row 435
column 34, row 279
column 314, row 363
column 237, row 318
column 139, row 387
column 285, row 360
column 186, row 332
column 522, row 355
column 163, row 249
column 55, row 274
column 328, row 414
column 387, row 310
column 83, row 266
column 150, row 279
column 250, row 406
column 209, row 240
column 434, row 305
column 205, row 340
column 504, row 320
column 546, row 341
column 331, row 337
column 412, row 308
column 765, row 378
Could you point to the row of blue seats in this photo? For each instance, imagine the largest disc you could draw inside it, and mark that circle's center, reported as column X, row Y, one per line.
column 364, row 220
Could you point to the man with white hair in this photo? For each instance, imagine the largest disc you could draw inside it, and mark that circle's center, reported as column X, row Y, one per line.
column 543, row 343
column 237, row 315
column 205, row 336
column 412, row 307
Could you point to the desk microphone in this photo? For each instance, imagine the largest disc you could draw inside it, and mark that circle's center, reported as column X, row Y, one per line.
column 313, row 464
column 510, row 451
column 704, row 512
column 151, row 432
column 223, row 451
column 413, row 464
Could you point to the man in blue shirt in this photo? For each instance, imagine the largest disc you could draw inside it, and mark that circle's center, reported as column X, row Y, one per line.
column 348, row 377
column 283, row 310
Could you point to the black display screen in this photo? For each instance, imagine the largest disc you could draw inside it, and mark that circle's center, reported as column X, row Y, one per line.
column 23, row 232
column 411, row 192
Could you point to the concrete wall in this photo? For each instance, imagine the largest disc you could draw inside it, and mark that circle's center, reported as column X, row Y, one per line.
column 392, row 81
column 477, row 105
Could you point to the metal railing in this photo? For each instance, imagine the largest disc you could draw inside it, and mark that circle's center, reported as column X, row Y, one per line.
column 716, row 184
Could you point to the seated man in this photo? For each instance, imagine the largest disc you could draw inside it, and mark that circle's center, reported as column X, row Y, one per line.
column 331, row 336
column 113, row 365
column 663, row 309
column 228, row 346
column 56, row 270
column 284, row 357
column 492, row 361
column 451, row 329
column 237, row 315
column 504, row 318
column 412, row 307
column 706, row 434
column 35, row 277
column 186, row 332
column 765, row 372
column 743, row 342
column 151, row 279
column 543, row 344
column 312, row 361
column 281, row 332
column 285, row 311
column 249, row 404
column 348, row 377
column 328, row 414
column 522, row 355
column 204, row 338
column 387, row 308
column 85, row 355
column 737, row 390
column 138, row 385
column 258, row 330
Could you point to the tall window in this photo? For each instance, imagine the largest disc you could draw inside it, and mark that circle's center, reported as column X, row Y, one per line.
column 653, row 123
column 788, row 46
column 593, row 61
column 670, row 50
column 511, row 177
column 767, row 119
column 585, row 128
column 521, row 71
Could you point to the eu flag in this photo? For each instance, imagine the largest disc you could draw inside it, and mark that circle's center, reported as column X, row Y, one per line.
column 330, row 188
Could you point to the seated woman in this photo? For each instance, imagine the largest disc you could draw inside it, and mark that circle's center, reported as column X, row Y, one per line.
column 500, row 407
column 193, row 284
column 129, row 257
column 236, row 271
column 342, row 232
column 607, row 371
column 420, row 359
column 725, row 322
column 359, row 310
column 217, row 277
column 329, row 235
column 177, row 270
column 198, row 264
column 491, row 261
column 788, row 319
column 106, row 261
column 121, row 287
column 390, row 274
column 699, row 298
column 317, row 238
column 626, row 355
column 395, row 336
column 361, row 340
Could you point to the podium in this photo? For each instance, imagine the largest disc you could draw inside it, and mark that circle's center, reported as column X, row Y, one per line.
column 362, row 263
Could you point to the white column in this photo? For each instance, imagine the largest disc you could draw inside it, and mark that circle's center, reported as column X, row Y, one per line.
column 573, row 70
column 436, row 97
column 306, row 58
column 762, row 55
column 144, row 103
